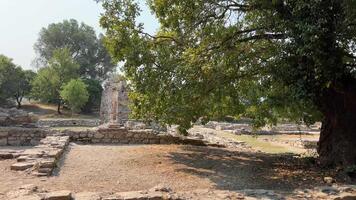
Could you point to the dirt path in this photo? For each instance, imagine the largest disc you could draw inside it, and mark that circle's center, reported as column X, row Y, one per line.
column 127, row 168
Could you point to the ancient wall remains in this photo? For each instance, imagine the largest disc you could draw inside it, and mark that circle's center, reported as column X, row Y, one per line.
column 68, row 122
column 114, row 102
column 16, row 136
column 125, row 136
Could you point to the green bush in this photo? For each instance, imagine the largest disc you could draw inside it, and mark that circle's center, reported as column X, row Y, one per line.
column 75, row 94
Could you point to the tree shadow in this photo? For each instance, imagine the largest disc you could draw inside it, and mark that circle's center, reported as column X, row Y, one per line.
column 232, row 170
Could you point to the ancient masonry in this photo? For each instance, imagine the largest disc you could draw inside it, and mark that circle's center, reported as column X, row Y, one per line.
column 40, row 160
column 114, row 103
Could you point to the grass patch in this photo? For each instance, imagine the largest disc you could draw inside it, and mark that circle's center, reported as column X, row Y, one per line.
column 257, row 143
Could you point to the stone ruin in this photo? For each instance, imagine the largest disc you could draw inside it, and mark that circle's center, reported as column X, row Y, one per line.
column 114, row 109
column 13, row 117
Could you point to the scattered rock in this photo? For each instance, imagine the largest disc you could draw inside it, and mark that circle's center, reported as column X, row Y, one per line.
column 161, row 188
column 329, row 180
column 329, row 190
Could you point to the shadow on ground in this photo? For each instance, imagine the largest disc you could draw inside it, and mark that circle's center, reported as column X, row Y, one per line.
column 231, row 170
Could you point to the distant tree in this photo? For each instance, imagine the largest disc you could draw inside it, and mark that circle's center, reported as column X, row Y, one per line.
column 9, row 73
column 95, row 90
column 84, row 46
column 14, row 82
column 23, row 85
column 49, row 80
column 75, row 94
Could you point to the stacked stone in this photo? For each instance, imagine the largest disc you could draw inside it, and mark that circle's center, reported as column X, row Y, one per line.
column 125, row 136
column 14, row 116
column 114, row 102
column 68, row 122
column 42, row 159
column 17, row 136
column 9, row 154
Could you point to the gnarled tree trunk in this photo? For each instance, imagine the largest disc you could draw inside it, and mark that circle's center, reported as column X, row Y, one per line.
column 337, row 143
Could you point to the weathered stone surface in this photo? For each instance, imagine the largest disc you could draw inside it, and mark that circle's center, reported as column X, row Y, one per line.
column 42, row 158
column 329, row 180
column 22, row 166
column 87, row 196
column 27, row 197
column 59, row 195
column 114, row 102
column 6, row 155
column 329, row 190
column 68, row 122
column 141, row 195
column 19, row 136
column 14, row 116
column 346, row 196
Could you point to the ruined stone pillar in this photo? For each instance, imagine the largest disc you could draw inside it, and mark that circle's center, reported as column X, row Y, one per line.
column 114, row 108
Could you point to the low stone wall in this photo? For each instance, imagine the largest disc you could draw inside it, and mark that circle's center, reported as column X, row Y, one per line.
column 125, row 136
column 68, row 122
column 16, row 136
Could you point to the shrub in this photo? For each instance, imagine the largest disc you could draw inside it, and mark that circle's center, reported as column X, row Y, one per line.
column 75, row 94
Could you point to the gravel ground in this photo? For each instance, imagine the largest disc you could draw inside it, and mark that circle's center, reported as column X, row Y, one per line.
column 182, row 168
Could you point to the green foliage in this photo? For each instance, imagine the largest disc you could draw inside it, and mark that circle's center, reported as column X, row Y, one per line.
column 46, row 85
column 61, row 69
column 85, row 47
column 266, row 60
column 9, row 74
column 14, row 82
column 23, row 85
column 94, row 89
column 75, row 93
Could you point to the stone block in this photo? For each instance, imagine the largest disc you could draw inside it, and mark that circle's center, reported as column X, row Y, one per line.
column 28, row 197
column 48, row 163
column 59, row 195
column 6, row 155
column 14, row 142
column 98, row 135
column 87, row 196
column 3, row 142
column 3, row 134
column 21, row 166
column 346, row 196
column 141, row 195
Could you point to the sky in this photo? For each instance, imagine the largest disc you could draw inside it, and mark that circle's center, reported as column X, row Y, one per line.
column 22, row 20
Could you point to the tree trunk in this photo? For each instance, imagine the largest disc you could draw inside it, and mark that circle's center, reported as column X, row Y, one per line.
column 337, row 143
column 59, row 107
column 18, row 103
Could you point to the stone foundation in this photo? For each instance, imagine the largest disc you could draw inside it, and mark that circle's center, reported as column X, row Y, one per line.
column 16, row 136
column 42, row 159
column 125, row 136
column 68, row 122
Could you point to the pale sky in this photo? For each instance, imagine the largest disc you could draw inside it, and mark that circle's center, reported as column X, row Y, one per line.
column 22, row 20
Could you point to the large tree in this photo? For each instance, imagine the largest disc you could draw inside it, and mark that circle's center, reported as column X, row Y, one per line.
column 50, row 79
column 265, row 59
column 15, row 83
column 85, row 47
